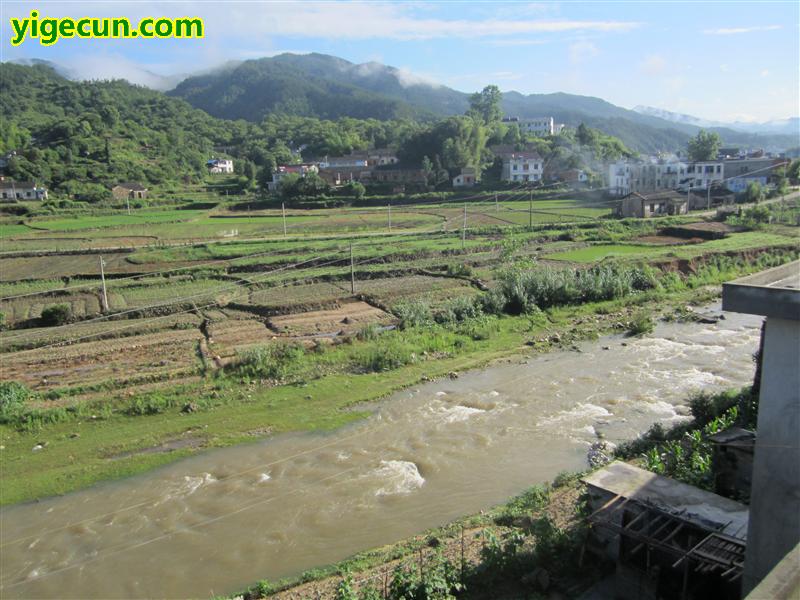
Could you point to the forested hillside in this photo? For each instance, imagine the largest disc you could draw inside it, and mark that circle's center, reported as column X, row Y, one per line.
column 318, row 85
column 80, row 139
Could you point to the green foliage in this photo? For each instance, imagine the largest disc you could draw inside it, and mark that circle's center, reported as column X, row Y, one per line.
column 274, row 361
column 440, row 580
column 523, row 505
column 689, row 459
column 459, row 309
column 13, row 397
column 486, row 104
column 57, row 314
column 393, row 353
column 415, row 313
column 345, row 589
column 754, row 192
column 355, row 189
column 641, row 324
column 459, row 270
column 704, row 146
column 520, row 292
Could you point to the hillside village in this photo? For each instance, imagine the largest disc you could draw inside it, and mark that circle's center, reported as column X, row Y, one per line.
column 384, row 315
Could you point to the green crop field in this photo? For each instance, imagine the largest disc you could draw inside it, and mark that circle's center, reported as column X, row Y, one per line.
column 603, row 251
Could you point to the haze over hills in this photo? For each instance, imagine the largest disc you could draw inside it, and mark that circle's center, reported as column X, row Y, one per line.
column 790, row 126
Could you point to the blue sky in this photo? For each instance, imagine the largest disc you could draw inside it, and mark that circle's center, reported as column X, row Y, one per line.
column 716, row 60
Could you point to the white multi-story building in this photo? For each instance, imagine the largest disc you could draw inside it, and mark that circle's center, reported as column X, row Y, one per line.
column 522, row 166
column 539, row 126
column 628, row 177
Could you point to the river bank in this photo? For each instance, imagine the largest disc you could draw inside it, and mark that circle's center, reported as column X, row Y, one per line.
column 100, row 444
column 425, row 456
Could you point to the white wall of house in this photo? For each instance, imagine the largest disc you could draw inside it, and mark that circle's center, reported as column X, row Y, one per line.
column 522, row 167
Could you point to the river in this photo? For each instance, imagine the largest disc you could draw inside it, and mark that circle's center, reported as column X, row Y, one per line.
column 216, row 522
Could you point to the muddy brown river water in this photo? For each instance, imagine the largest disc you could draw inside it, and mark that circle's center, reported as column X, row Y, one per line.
column 217, row 522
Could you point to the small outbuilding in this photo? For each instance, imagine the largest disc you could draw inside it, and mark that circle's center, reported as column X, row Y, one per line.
column 129, row 191
column 668, row 539
column 657, row 204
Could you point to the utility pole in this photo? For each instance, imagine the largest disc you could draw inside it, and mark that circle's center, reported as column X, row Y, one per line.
column 128, row 203
column 389, row 206
column 464, row 229
column 496, row 205
column 283, row 212
column 352, row 271
column 708, row 195
column 103, row 280
column 530, row 210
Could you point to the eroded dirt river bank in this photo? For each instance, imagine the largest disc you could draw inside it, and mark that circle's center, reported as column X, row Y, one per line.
column 215, row 523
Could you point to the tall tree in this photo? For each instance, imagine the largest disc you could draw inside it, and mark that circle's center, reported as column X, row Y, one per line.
column 486, row 104
column 704, row 146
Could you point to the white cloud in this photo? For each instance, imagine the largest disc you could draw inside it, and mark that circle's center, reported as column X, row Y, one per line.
column 737, row 30
column 581, row 51
column 653, row 64
column 765, row 73
column 517, row 42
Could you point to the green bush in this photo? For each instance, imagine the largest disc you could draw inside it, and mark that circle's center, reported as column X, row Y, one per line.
column 520, row 292
column 55, row 315
column 369, row 332
column 459, row 309
column 13, row 397
column 641, row 324
column 274, row 361
column 415, row 313
column 392, row 354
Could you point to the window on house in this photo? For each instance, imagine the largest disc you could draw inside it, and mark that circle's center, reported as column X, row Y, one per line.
column 525, row 167
column 514, row 167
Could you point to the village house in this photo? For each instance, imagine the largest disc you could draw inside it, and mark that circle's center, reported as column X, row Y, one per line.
column 21, row 190
column 220, row 165
column 468, row 177
column 575, row 176
column 350, row 161
column 129, row 191
column 626, row 177
column 653, row 205
column 740, row 172
column 381, row 157
column 539, row 126
column 283, row 170
column 522, row 166
column 399, row 175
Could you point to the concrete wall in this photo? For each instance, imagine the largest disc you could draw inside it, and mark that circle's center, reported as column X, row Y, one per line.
column 774, row 527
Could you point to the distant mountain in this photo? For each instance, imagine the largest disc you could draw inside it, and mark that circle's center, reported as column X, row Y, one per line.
column 329, row 87
column 790, row 126
column 318, row 85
